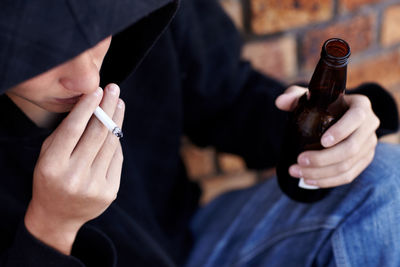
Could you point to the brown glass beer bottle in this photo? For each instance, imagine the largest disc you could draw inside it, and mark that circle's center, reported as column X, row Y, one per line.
column 316, row 111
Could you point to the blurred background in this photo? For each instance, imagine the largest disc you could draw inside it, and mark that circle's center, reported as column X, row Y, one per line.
column 283, row 39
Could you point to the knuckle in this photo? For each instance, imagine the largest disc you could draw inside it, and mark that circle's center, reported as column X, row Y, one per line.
column 92, row 193
column 104, row 196
column 72, row 129
column 307, row 173
column 323, row 184
column 344, row 166
column 314, row 158
column 294, row 87
column 73, row 186
column 110, row 197
column 312, row 174
column 377, row 122
column 347, row 179
column 46, row 143
column 364, row 101
column 335, row 131
column 360, row 113
column 352, row 148
column 48, row 170
column 72, row 189
column 316, row 162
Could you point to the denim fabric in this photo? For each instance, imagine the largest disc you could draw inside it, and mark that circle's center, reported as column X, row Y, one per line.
column 356, row 225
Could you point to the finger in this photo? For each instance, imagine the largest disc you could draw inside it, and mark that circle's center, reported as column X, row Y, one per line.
column 106, row 152
column 340, row 152
column 68, row 133
column 359, row 112
column 331, row 170
column 288, row 100
column 113, row 177
column 109, row 103
column 93, row 138
column 344, row 178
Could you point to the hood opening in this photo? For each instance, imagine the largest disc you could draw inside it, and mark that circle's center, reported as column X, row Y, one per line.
column 36, row 36
column 129, row 47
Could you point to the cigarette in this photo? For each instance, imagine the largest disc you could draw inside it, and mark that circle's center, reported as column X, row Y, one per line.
column 108, row 122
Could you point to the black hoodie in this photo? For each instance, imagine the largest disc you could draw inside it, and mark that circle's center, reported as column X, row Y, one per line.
column 190, row 83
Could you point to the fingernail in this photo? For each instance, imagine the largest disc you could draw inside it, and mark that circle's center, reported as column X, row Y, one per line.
column 113, row 89
column 327, row 140
column 310, row 182
column 303, row 160
column 295, row 171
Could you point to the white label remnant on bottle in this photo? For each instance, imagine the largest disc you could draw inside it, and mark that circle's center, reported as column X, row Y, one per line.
column 303, row 185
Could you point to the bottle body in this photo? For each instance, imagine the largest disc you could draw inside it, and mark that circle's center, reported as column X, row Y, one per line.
column 315, row 113
column 303, row 132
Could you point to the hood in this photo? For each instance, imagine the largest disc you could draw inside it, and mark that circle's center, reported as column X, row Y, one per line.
column 38, row 35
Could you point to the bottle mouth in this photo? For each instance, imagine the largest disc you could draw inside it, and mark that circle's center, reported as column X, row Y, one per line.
column 336, row 51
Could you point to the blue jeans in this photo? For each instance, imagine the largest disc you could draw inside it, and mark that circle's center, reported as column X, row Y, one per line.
column 355, row 225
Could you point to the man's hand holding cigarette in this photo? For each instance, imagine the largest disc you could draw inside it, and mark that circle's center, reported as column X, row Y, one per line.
column 77, row 175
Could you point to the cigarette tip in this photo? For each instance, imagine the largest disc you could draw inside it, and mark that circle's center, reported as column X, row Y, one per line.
column 118, row 132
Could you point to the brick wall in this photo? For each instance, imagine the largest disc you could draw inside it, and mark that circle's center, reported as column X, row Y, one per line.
column 283, row 39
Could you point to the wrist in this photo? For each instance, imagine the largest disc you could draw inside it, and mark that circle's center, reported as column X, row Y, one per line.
column 58, row 234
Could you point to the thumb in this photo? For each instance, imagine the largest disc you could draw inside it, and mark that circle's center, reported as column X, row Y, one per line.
column 288, row 100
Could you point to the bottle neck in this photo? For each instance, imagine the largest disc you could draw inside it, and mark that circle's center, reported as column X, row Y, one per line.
column 328, row 82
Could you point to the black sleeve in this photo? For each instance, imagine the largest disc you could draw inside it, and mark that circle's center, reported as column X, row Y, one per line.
column 91, row 248
column 226, row 103
column 229, row 105
column 384, row 106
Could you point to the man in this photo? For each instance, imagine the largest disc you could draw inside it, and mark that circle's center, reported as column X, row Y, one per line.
column 69, row 200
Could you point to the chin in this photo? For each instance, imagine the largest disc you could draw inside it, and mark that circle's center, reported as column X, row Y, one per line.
column 59, row 108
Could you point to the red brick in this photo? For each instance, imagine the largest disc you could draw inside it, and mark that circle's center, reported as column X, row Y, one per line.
column 390, row 26
column 382, row 68
column 199, row 162
column 215, row 186
column 350, row 5
column 229, row 163
column 234, row 10
column 358, row 32
column 275, row 57
column 268, row 16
